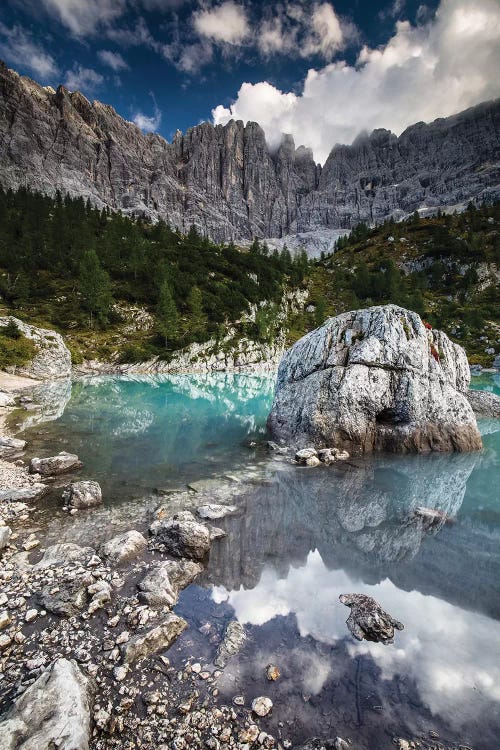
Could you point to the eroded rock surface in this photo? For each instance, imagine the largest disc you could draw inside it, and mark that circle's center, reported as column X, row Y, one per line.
column 375, row 379
column 158, row 638
column 52, row 713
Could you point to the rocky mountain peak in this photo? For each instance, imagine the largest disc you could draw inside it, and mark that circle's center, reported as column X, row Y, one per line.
column 225, row 180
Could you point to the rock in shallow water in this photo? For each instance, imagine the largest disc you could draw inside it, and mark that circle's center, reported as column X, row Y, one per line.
column 53, row 465
column 375, row 379
column 234, row 639
column 161, row 586
column 182, row 535
column 83, row 494
column 124, row 547
column 158, row 638
column 368, row 620
column 52, row 713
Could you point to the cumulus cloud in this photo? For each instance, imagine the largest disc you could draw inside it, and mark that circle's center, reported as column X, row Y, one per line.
column 112, row 59
column 83, row 17
column 148, row 123
column 18, row 47
column 425, row 71
column 225, row 23
column 83, row 79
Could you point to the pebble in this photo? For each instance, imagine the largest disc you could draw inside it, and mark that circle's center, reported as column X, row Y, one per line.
column 272, row 672
column 120, row 673
column 5, row 619
column 30, row 543
column 5, row 641
column 249, row 734
column 30, row 615
column 262, row 705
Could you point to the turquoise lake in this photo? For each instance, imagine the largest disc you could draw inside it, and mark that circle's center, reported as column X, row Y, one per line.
column 301, row 538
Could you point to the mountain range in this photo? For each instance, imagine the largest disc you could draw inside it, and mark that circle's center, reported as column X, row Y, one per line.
column 227, row 181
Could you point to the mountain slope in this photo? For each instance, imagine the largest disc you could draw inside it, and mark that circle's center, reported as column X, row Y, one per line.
column 225, row 180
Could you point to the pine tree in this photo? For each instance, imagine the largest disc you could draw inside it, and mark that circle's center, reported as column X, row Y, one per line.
column 320, row 312
column 95, row 288
column 166, row 314
column 197, row 318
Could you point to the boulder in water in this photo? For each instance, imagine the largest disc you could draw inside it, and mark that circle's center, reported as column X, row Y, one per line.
column 368, row 620
column 375, row 379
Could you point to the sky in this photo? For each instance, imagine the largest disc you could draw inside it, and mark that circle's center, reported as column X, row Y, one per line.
column 322, row 71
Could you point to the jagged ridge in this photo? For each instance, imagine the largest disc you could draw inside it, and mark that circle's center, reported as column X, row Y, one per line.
column 225, row 180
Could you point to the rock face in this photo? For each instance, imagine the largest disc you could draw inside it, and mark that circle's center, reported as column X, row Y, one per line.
column 53, row 712
column 375, row 379
column 225, row 180
column 53, row 359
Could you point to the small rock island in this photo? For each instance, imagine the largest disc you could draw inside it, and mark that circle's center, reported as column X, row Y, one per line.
column 378, row 379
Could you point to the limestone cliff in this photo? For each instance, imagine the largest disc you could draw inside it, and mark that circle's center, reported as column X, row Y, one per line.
column 225, row 180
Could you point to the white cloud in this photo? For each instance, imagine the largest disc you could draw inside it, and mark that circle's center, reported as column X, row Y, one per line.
column 326, row 36
column 112, row 59
column 139, row 35
column 83, row 17
column 226, row 23
column 83, row 79
column 148, row 123
column 19, row 48
column 425, row 71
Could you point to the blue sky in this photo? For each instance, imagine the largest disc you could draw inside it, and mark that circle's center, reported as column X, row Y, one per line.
column 320, row 70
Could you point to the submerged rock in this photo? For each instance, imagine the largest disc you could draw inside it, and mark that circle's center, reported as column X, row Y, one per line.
column 375, row 379
column 158, row 638
column 124, row 547
column 262, row 705
column 161, row 586
column 83, row 494
column 53, row 465
column 64, row 553
column 54, row 712
column 234, row 639
column 182, row 535
column 368, row 620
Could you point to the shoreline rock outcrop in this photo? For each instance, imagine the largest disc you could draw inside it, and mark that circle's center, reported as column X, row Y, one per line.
column 53, row 358
column 377, row 379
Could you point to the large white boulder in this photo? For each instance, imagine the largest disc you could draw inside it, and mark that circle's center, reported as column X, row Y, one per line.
column 53, row 358
column 54, row 712
column 375, row 379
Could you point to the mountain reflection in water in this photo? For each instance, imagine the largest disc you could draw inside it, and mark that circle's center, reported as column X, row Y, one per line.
column 301, row 538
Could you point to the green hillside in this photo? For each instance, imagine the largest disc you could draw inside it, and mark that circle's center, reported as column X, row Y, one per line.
column 446, row 268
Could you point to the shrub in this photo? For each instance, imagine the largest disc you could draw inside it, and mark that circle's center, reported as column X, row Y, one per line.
column 15, row 351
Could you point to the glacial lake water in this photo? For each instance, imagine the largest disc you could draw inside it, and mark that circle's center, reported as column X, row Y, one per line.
column 300, row 538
